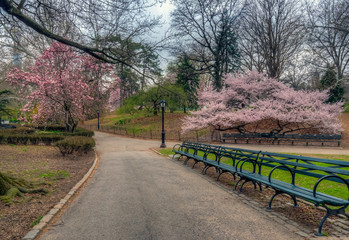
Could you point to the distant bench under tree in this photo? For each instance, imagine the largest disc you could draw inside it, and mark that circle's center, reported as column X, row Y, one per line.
column 293, row 139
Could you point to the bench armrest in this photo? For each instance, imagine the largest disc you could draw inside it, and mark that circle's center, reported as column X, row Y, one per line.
column 282, row 166
column 178, row 147
column 251, row 161
column 329, row 176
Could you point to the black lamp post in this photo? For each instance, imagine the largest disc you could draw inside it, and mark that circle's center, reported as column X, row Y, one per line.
column 98, row 119
column 163, row 104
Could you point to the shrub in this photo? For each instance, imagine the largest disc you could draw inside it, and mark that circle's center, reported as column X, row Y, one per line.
column 49, row 139
column 79, row 144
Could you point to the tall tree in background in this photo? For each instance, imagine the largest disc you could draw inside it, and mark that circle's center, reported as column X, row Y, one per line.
column 327, row 37
column 93, row 22
column 272, row 32
column 144, row 62
column 207, row 28
column 149, row 64
column 188, row 78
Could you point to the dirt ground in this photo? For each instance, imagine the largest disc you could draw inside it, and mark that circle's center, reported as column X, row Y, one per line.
column 44, row 166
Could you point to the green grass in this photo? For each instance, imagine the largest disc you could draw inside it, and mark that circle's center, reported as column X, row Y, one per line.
column 166, row 151
column 36, row 221
column 51, row 175
column 41, row 132
column 54, row 174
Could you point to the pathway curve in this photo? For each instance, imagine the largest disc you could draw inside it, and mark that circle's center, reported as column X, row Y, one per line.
column 136, row 194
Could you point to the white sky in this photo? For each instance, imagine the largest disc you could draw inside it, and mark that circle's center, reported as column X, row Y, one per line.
column 163, row 10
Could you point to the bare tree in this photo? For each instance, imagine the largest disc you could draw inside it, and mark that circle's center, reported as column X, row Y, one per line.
column 272, row 32
column 93, row 22
column 206, row 33
column 328, row 40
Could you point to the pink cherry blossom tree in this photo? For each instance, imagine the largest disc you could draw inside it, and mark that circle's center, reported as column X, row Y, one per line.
column 251, row 100
column 61, row 86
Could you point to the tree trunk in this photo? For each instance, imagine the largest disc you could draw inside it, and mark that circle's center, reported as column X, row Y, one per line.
column 11, row 187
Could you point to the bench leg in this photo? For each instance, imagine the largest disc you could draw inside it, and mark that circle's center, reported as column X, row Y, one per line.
column 236, row 185
column 330, row 212
column 277, row 192
column 196, row 161
column 220, row 173
column 186, row 161
column 204, row 170
column 246, row 180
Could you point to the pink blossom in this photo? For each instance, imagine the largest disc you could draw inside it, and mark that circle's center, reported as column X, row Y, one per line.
column 252, row 98
column 61, row 85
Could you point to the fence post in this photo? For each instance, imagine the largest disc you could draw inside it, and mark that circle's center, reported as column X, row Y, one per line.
column 151, row 134
column 179, row 135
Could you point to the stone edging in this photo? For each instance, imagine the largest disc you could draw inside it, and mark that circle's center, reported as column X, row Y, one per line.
column 34, row 232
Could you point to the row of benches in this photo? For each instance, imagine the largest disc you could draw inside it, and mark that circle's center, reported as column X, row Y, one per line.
column 307, row 139
column 261, row 168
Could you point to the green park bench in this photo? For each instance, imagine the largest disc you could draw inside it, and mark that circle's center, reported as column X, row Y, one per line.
column 262, row 168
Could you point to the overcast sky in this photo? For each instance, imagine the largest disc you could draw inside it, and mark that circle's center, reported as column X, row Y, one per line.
column 163, row 10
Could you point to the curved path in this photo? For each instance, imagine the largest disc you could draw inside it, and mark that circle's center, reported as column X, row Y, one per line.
column 136, row 194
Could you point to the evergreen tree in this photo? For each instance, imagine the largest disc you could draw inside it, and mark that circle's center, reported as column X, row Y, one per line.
column 330, row 81
column 188, row 78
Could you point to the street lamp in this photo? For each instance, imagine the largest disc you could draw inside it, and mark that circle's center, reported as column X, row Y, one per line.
column 163, row 104
column 98, row 119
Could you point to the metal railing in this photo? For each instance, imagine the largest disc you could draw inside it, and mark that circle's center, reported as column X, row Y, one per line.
column 174, row 135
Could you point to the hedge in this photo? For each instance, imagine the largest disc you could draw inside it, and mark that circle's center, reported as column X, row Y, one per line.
column 79, row 144
column 26, row 135
column 29, row 138
column 18, row 130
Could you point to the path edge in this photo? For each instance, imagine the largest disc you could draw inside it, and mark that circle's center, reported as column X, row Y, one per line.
column 37, row 229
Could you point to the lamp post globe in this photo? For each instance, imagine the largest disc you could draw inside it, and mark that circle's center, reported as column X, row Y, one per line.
column 163, row 104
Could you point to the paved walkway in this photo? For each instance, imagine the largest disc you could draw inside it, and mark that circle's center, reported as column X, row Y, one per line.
column 136, row 194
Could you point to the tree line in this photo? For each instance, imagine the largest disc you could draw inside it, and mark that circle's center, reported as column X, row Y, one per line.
column 304, row 44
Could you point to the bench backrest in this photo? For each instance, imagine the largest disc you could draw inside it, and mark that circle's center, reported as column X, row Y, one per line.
column 307, row 166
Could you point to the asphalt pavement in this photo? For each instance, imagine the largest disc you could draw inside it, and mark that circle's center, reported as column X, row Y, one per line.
column 136, row 194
